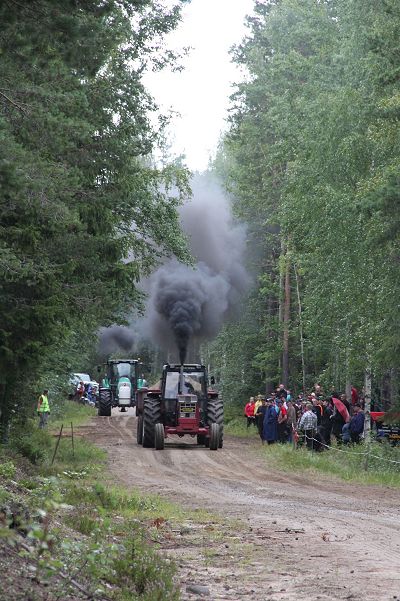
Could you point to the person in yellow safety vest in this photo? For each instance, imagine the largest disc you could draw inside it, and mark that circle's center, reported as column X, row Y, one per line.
column 43, row 409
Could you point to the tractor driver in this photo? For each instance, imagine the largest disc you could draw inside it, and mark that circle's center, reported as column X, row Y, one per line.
column 142, row 382
column 189, row 387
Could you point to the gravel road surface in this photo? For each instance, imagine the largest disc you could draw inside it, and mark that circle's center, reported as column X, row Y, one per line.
column 282, row 536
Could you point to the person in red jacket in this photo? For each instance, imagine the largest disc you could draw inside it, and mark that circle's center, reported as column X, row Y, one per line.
column 249, row 412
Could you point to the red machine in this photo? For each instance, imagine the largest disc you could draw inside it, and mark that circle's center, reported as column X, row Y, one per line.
column 182, row 405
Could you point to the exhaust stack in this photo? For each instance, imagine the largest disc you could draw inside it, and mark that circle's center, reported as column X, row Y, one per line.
column 181, row 380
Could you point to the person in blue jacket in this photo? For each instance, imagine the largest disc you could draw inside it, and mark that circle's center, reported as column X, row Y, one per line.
column 356, row 425
column 270, row 428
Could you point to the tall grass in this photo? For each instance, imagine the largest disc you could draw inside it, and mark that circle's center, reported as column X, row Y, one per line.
column 347, row 463
column 63, row 411
column 111, row 546
column 38, row 445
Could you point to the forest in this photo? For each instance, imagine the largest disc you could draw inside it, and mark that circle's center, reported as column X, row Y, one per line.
column 311, row 159
column 310, row 162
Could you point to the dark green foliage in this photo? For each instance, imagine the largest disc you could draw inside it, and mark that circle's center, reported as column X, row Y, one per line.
column 35, row 445
column 312, row 156
column 84, row 214
column 234, row 355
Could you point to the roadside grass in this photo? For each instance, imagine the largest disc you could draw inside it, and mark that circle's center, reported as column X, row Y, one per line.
column 80, row 523
column 65, row 412
column 356, row 463
column 347, row 463
column 37, row 445
column 237, row 426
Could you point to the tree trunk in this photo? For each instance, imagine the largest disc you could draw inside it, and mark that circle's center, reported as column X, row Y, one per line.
column 348, row 379
column 5, row 414
column 385, row 391
column 367, row 407
column 271, row 337
column 281, row 302
column 286, row 320
column 394, row 385
column 303, row 366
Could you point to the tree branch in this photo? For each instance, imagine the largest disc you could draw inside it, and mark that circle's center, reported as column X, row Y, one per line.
column 13, row 103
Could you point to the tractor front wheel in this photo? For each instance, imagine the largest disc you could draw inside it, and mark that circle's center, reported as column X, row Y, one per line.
column 214, row 437
column 159, row 437
column 139, row 431
column 104, row 403
column 201, row 439
column 151, row 416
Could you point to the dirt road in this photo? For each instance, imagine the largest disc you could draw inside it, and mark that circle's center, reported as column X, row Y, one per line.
column 282, row 537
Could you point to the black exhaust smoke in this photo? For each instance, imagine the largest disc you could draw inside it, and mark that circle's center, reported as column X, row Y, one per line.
column 114, row 339
column 180, row 297
column 188, row 303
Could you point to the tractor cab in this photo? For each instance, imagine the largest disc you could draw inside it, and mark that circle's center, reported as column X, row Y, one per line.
column 176, row 381
column 184, row 395
column 182, row 405
column 119, row 385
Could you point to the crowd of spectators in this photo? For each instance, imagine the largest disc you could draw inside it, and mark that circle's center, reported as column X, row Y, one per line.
column 311, row 419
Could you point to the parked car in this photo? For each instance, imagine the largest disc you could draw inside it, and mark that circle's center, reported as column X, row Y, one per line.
column 86, row 379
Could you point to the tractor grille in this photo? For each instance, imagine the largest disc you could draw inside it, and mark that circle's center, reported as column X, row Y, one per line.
column 187, row 407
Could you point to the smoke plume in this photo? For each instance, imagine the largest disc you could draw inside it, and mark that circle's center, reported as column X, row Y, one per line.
column 114, row 339
column 186, row 302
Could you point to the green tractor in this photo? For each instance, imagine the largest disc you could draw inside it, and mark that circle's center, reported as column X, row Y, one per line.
column 119, row 386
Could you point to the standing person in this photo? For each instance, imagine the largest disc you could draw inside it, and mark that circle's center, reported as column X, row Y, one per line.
column 317, row 409
column 354, row 395
column 356, row 425
column 249, row 412
column 325, row 428
column 308, row 423
column 318, row 389
column 43, row 409
column 298, row 405
column 291, row 419
column 345, row 402
column 257, row 404
column 281, row 391
column 270, row 428
column 338, row 421
column 80, row 391
column 282, row 422
column 260, row 415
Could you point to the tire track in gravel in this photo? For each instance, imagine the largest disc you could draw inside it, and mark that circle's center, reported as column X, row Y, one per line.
column 348, row 544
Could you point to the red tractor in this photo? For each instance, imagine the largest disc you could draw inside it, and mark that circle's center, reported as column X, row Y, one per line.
column 182, row 405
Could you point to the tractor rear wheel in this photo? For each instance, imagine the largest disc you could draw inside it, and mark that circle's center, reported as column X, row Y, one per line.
column 214, row 436
column 215, row 412
column 139, row 431
column 159, row 437
column 151, row 416
column 105, row 403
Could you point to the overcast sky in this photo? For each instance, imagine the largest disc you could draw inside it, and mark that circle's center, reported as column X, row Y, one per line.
column 201, row 92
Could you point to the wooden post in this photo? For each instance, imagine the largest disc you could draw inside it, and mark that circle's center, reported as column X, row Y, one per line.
column 58, row 442
column 72, row 438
